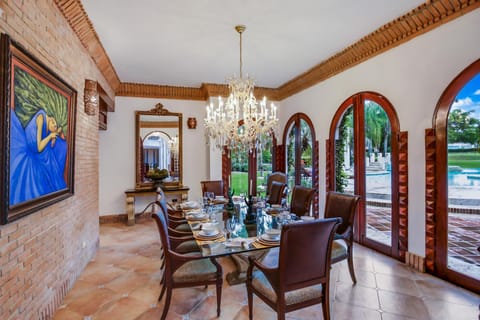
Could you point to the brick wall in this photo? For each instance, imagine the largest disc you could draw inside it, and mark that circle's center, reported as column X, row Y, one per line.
column 41, row 255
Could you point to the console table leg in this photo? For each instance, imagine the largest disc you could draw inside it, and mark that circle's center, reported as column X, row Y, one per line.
column 130, row 210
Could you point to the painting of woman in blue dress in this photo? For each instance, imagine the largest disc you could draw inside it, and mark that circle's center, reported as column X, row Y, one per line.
column 38, row 149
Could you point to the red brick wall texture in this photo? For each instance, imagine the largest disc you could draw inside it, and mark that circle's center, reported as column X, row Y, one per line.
column 41, row 255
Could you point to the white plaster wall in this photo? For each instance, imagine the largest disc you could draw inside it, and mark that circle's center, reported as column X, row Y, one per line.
column 117, row 151
column 412, row 76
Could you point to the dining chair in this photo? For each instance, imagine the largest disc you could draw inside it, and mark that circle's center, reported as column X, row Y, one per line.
column 215, row 186
column 301, row 200
column 344, row 206
column 275, row 176
column 175, row 222
column 185, row 270
column 276, row 193
column 302, row 276
column 181, row 242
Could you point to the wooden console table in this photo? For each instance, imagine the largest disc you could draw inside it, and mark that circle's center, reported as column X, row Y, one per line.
column 175, row 194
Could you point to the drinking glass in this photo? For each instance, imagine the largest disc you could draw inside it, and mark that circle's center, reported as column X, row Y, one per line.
column 231, row 226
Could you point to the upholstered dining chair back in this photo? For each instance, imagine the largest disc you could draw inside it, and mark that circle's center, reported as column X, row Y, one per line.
column 277, row 192
column 344, row 206
column 275, row 176
column 300, row 268
column 301, row 200
column 302, row 277
column 215, row 186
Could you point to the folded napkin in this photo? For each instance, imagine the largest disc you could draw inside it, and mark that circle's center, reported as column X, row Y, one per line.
column 239, row 243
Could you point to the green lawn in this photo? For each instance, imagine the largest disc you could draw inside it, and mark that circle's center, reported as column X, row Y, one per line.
column 240, row 182
column 464, row 159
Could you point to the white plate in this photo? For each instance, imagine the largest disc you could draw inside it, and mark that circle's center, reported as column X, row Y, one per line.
column 212, row 235
column 267, row 238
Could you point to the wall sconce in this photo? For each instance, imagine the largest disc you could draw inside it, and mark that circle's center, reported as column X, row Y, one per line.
column 192, row 123
column 90, row 97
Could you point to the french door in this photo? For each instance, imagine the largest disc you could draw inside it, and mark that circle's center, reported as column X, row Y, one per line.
column 457, row 181
column 364, row 144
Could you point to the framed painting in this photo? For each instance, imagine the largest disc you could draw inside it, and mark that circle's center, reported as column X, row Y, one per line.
column 37, row 134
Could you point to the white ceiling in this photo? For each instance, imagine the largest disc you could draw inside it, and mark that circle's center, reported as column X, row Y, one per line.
column 187, row 42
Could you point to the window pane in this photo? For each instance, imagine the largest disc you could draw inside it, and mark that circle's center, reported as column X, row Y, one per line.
column 306, row 148
column 264, row 167
column 344, row 157
column 378, row 179
column 291, row 156
column 239, row 172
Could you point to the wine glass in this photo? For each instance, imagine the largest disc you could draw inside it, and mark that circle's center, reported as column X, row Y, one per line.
column 231, row 226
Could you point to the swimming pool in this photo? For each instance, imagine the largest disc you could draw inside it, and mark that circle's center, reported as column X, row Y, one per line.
column 464, row 178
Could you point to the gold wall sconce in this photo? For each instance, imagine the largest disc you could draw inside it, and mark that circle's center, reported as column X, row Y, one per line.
column 90, row 97
column 192, row 123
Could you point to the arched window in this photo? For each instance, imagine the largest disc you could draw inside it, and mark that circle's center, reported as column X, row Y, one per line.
column 363, row 159
column 453, row 164
column 301, row 154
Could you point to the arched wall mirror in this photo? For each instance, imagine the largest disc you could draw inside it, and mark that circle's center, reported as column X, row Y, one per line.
column 158, row 142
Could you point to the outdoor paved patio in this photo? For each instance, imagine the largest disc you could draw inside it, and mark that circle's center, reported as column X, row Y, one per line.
column 463, row 237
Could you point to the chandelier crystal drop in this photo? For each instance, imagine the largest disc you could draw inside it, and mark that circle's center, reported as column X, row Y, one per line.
column 241, row 122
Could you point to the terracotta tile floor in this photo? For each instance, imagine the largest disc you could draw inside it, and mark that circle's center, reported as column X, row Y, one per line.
column 122, row 283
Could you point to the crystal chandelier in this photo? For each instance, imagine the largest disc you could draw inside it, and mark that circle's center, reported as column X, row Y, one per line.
column 241, row 122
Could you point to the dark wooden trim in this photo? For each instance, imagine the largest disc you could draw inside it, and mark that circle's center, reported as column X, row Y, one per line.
column 440, row 219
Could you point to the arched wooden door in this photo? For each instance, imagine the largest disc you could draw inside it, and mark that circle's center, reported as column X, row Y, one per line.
column 363, row 158
column 455, row 149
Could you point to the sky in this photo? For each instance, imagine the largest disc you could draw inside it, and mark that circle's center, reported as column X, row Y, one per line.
column 469, row 97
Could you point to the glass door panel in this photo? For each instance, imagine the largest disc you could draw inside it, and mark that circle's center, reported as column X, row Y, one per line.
column 344, row 153
column 306, row 160
column 264, row 167
column 463, row 141
column 378, row 178
column 290, row 146
column 239, row 182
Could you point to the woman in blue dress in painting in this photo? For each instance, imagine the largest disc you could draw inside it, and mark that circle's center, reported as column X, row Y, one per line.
column 37, row 158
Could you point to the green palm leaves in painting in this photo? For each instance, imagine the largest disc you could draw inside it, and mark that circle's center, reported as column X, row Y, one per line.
column 32, row 95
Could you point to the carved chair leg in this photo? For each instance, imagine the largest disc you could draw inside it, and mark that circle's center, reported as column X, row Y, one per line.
column 219, row 297
column 167, row 303
column 350, row 263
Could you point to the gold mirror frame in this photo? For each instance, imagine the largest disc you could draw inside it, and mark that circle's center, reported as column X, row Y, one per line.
column 160, row 111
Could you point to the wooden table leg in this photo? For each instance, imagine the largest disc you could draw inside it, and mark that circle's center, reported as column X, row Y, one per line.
column 130, row 210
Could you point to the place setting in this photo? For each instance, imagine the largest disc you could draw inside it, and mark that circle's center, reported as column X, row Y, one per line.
column 268, row 239
column 208, row 232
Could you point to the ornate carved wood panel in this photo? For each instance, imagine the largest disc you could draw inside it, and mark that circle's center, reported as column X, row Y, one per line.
column 316, row 181
column 402, row 194
column 328, row 165
column 226, row 169
column 280, row 158
column 430, row 232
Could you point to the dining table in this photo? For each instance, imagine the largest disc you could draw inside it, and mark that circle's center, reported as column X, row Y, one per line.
column 243, row 238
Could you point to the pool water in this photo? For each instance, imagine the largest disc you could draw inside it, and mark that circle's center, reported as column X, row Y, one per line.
column 464, row 178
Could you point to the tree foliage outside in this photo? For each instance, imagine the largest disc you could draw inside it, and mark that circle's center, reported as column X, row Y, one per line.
column 32, row 95
column 463, row 127
column 377, row 128
column 345, row 135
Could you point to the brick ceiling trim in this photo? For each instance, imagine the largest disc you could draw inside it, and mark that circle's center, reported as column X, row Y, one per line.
column 416, row 22
column 76, row 16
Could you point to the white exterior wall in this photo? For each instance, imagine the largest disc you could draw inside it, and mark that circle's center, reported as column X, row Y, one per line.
column 412, row 77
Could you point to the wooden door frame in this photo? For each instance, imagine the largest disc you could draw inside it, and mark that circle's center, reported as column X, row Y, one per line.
column 437, row 262
column 356, row 101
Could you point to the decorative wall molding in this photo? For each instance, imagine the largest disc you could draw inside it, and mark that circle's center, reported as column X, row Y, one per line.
column 77, row 18
column 422, row 19
column 403, row 194
column 430, row 200
column 206, row 90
